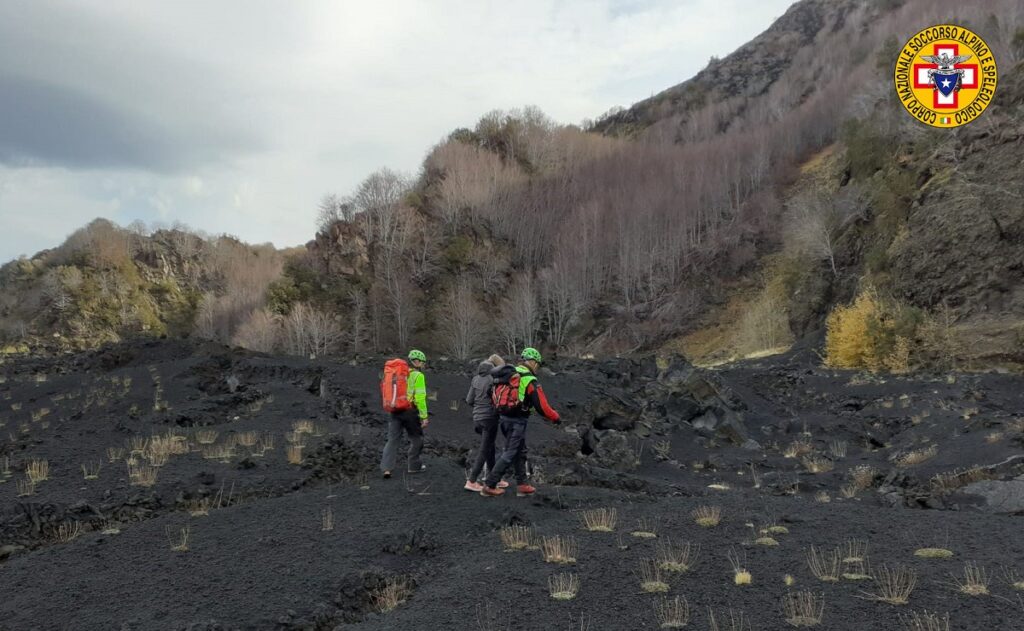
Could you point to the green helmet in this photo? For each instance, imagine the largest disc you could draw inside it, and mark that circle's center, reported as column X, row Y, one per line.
column 531, row 353
column 415, row 354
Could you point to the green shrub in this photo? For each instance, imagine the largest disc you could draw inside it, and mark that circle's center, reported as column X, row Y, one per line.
column 867, row 151
column 457, row 252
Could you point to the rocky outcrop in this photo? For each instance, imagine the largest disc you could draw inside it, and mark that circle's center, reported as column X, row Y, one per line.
column 655, row 404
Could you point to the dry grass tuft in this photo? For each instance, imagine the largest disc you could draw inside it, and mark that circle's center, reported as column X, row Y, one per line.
column 294, row 454
column 662, row 450
column 863, row 476
column 822, row 497
column 818, row 464
column 741, row 576
column 517, row 537
column 925, row 621
column 974, row 582
column 650, row 577
column 141, row 475
column 563, row 586
column 933, row 553
column 265, row 444
column 645, row 528
column 25, row 487
column 766, row 541
column 38, row 471
column 206, row 436
column 559, row 549
column 1013, row 579
column 303, row 427
column 672, row 614
column 958, row 478
column 803, row 609
column 848, row 491
column 224, row 452
column 838, row 448
column 199, row 507
column 893, row 585
column 734, row 622
column 677, row 557
column 994, row 437
column 824, row 565
column 855, row 551
column 92, row 471
column 68, row 531
column 137, row 444
column 599, row 519
column 115, row 453
column 247, row 439
column 798, row 448
column 178, row 540
column 707, row 516
column 917, row 456
column 393, row 593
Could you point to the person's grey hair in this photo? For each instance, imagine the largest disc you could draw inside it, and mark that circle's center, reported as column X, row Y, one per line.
column 496, row 360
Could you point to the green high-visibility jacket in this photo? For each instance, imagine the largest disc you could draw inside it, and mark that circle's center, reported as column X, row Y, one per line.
column 417, row 392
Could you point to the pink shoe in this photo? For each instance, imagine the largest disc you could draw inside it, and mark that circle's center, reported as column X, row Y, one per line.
column 502, row 484
column 476, row 487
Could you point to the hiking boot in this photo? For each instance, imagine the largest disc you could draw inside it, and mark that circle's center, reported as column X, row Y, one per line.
column 488, row 491
column 476, row 487
column 524, row 490
column 387, row 474
column 503, row 484
column 422, row 468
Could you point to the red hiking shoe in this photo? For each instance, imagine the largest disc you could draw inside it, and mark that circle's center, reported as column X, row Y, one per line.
column 488, row 491
column 524, row 490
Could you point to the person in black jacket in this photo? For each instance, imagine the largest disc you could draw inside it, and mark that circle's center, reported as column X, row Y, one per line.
column 485, row 420
column 513, row 422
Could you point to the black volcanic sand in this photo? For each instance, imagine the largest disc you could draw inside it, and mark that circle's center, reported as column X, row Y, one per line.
column 262, row 561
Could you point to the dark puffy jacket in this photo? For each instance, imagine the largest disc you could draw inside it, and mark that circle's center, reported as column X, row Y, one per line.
column 479, row 395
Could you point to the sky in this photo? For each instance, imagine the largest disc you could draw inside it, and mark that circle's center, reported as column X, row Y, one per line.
column 237, row 116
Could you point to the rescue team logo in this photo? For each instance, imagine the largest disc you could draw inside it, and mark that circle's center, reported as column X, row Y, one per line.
column 946, row 76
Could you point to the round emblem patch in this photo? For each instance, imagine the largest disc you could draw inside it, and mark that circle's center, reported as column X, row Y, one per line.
column 946, row 76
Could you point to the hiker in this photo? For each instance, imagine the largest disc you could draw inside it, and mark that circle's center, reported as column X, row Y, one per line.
column 404, row 392
column 485, row 421
column 516, row 393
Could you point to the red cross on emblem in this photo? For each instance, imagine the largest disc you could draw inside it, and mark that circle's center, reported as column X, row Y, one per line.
column 970, row 77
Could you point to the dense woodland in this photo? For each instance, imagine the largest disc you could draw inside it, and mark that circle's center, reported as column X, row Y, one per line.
column 617, row 235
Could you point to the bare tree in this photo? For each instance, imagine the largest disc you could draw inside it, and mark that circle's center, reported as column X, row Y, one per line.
column 463, row 327
column 333, row 209
column 561, row 299
column 261, row 332
column 520, row 315
column 813, row 224
column 311, row 332
column 55, row 291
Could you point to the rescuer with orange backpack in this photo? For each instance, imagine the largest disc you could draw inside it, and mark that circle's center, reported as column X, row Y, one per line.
column 516, row 392
column 404, row 396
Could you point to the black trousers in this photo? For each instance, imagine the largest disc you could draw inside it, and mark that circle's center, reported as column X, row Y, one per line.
column 515, row 451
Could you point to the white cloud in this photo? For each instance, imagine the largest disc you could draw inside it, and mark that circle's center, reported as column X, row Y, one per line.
column 254, row 110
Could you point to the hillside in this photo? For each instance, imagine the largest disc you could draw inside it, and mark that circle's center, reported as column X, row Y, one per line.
column 106, row 283
column 730, row 215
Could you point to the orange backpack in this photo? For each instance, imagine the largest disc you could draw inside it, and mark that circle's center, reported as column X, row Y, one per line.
column 394, row 387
